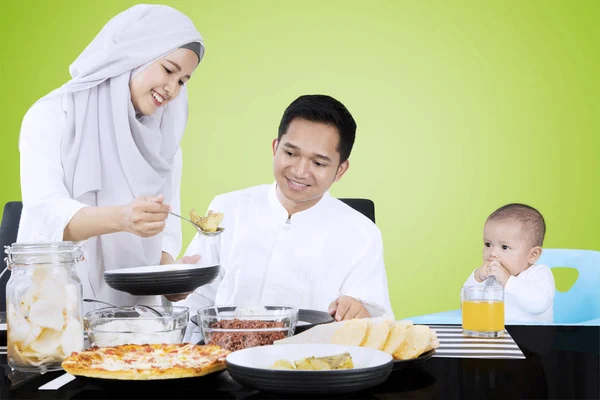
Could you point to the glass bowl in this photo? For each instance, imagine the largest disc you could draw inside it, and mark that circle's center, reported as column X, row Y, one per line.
column 113, row 326
column 238, row 327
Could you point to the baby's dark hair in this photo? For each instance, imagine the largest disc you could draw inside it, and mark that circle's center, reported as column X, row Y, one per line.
column 530, row 218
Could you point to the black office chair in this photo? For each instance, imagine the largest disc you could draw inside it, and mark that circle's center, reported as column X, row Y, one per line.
column 8, row 235
column 363, row 206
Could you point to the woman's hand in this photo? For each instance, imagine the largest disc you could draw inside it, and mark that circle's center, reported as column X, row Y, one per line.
column 145, row 216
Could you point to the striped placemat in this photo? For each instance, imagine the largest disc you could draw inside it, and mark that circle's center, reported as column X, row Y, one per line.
column 453, row 344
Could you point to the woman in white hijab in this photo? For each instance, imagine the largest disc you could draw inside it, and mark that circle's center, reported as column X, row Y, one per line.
column 100, row 156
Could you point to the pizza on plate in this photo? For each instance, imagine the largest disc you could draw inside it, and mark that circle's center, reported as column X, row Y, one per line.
column 146, row 362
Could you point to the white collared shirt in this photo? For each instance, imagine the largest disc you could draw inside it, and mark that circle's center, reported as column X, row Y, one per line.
column 306, row 261
column 528, row 296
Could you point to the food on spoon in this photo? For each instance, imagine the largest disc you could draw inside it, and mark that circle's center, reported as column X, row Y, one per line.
column 209, row 223
column 338, row 361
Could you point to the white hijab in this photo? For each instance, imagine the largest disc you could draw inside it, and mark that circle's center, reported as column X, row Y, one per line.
column 109, row 156
column 100, row 102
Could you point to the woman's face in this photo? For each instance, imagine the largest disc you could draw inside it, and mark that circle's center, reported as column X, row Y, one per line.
column 161, row 82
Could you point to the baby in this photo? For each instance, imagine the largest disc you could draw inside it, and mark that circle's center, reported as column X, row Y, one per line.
column 512, row 243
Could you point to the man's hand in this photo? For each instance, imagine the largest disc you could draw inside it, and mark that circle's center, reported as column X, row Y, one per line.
column 183, row 260
column 189, row 259
column 346, row 307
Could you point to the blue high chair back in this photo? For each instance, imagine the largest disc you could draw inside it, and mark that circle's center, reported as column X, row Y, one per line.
column 582, row 301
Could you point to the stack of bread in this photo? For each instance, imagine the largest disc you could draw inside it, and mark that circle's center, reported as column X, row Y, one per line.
column 402, row 339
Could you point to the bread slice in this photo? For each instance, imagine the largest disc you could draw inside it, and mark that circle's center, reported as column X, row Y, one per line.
column 369, row 327
column 434, row 343
column 377, row 336
column 396, row 336
column 352, row 333
column 418, row 340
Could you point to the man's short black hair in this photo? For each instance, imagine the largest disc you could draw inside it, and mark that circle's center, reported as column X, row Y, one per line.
column 325, row 109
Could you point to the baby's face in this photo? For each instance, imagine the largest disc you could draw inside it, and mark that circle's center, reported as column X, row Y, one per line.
column 504, row 240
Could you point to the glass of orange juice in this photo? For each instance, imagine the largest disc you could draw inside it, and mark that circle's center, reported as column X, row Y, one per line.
column 483, row 311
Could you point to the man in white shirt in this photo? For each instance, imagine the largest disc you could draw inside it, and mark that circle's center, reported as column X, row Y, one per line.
column 291, row 242
column 513, row 236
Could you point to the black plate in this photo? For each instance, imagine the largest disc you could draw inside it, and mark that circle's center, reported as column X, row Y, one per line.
column 413, row 362
column 242, row 368
column 313, row 317
column 164, row 282
column 313, row 383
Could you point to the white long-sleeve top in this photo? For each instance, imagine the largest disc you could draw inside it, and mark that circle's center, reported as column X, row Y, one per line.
column 306, row 261
column 528, row 296
column 48, row 208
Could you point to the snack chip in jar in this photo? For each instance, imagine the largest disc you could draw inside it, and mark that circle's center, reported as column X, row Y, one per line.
column 44, row 305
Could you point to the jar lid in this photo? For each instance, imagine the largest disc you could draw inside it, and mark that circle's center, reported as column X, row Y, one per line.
column 43, row 253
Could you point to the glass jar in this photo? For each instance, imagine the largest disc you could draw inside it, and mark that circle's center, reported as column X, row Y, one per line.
column 483, row 310
column 43, row 305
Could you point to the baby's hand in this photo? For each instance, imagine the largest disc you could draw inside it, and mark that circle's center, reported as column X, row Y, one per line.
column 497, row 270
column 482, row 272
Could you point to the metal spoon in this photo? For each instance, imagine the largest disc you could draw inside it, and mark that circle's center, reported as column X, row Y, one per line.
column 200, row 231
column 3, row 272
column 490, row 281
column 135, row 308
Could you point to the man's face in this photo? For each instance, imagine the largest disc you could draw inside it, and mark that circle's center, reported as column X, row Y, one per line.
column 306, row 162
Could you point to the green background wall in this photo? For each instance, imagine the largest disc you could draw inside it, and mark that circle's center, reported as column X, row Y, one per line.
column 461, row 107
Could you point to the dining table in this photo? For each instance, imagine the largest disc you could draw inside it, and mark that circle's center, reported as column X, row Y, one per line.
column 557, row 362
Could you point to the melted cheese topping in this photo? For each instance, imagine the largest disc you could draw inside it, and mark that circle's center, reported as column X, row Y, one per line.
column 183, row 357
